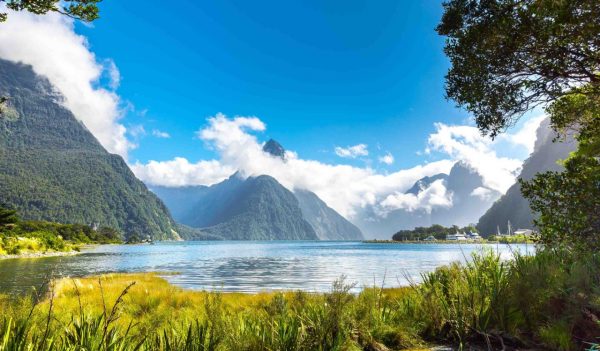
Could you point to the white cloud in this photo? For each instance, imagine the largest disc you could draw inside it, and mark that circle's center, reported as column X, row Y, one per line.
column 352, row 151
column 137, row 131
column 113, row 74
column 466, row 143
column 345, row 188
column 160, row 134
column 526, row 135
column 180, row 172
column 388, row 159
column 483, row 193
column 435, row 195
column 50, row 45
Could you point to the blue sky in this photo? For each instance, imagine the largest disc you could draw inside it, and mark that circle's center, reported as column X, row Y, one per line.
column 320, row 74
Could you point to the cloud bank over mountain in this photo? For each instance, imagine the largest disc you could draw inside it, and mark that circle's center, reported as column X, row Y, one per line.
column 347, row 189
column 50, row 45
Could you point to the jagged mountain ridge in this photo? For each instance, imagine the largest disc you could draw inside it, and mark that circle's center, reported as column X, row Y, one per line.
column 466, row 207
column 52, row 168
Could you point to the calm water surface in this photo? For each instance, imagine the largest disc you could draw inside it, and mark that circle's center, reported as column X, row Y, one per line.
column 252, row 266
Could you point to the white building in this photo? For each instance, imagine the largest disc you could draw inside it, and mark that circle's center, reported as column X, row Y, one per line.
column 474, row 236
column 456, row 237
column 525, row 232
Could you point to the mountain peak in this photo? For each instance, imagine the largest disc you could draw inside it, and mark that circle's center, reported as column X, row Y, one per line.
column 274, row 148
column 424, row 183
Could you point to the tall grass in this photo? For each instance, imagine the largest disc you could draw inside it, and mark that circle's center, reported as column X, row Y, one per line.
column 547, row 301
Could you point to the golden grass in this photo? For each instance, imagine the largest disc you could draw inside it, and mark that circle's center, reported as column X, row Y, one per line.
column 152, row 302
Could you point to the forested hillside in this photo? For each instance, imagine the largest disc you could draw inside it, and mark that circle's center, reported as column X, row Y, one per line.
column 52, row 168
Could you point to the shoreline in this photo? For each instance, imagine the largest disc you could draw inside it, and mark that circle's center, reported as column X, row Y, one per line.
column 40, row 254
column 46, row 254
column 429, row 242
column 457, row 242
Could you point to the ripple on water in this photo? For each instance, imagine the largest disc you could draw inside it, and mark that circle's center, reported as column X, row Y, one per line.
column 252, row 266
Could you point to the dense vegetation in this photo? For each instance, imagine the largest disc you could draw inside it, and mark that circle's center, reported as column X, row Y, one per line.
column 488, row 302
column 53, row 169
column 17, row 236
column 437, row 231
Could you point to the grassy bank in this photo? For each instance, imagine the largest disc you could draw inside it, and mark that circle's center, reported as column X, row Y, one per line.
column 546, row 301
column 32, row 238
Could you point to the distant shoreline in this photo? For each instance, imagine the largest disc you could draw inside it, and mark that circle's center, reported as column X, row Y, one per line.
column 429, row 242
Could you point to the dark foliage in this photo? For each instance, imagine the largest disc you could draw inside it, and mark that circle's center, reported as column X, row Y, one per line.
column 7, row 217
column 437, row 231
column 85, row 10
column 53, row 169
column 509, row 56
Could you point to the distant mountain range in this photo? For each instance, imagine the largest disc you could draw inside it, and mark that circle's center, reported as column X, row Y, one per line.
column 52, row 168
column 255, row 208
column 467, row 206
column 513, row 206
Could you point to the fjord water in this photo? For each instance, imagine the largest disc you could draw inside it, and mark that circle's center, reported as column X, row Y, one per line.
column 252, row 266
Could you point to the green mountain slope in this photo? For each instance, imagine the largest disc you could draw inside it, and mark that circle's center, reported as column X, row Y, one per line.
column 52, row 168
column 258, row 208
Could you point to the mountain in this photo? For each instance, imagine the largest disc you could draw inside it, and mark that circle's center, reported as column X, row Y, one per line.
column 424, row 183
column 461, row 184
column 327, row 223
column 513, row 206
column 256, row 208
column 179, row 200
column 52, row 168
column 262, row 210
column 274, row 148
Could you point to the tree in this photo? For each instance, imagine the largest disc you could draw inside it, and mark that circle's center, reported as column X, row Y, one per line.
column 85, row 10
column 568, row 204
column 509, row 56
column 7, row 217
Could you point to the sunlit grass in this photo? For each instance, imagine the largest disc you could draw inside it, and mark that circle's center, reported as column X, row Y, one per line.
column 549, row 300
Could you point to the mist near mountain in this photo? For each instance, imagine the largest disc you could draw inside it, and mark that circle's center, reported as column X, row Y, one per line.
column 512, row 206
column 327, row 223
column 464, row 187
column 52, row 168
